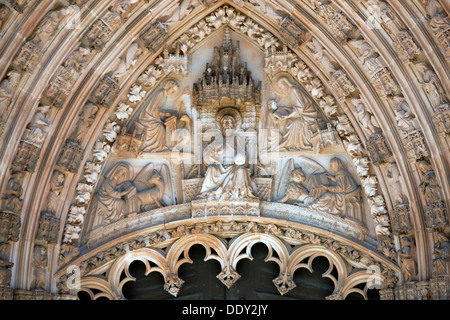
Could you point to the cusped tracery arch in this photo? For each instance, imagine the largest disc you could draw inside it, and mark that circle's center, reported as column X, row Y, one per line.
column 288, row 259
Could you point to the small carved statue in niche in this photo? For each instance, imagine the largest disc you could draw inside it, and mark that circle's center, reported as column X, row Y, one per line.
column 227, row 176
column 406, row 120
column 301, row 117
column 294, row 188
column 150, row 123
column 5, row 265
column 37, row 129
column 318, row 53
column 367, row 120
column 441, row 261
column 393, row 177
column 436, row 15
column 13, row 192
column 4, row 15
column 406, row 255
column 86, row 118
column 56, row 186
column 431, row 84
column 332, row 198
column 40, row 260
column 7, row 88
column 430, row 185
column 49, row 26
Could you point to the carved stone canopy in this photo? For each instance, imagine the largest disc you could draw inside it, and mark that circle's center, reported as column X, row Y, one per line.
column 226, row 80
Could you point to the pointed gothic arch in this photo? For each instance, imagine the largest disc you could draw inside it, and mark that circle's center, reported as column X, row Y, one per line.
column 407, row 97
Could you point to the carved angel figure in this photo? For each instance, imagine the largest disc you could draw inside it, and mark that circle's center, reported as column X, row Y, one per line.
column 40, row 260
column 119, row 196
column 405, row 116
column 85, row 120
column 431, row 84
column 393, row 177
column 49, row 25
column 300, row 116
column 317, row 51
column 150, row 122
column 116, row 195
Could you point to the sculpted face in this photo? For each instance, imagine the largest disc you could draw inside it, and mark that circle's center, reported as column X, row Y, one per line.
column 284, row 85
column 121, row 175
column 171, row 88
column 228, row 124
column 335, row 165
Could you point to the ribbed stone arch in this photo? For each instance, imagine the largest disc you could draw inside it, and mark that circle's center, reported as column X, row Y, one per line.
column 24, row 22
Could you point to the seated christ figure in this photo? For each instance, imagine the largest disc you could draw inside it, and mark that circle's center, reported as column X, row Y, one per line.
column 226, row 178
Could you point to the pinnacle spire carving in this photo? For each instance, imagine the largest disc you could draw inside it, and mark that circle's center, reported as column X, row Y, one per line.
column 226, row 79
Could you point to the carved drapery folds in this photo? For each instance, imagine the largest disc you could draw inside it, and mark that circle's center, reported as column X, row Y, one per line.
column 29, row 148
column 7, row 89
column 121, row 195
column 439, row 23
column 336, row 193
column 66, row 76
column 32, row 51
column 435, row 209
column 153, row 131
column 11, row 207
